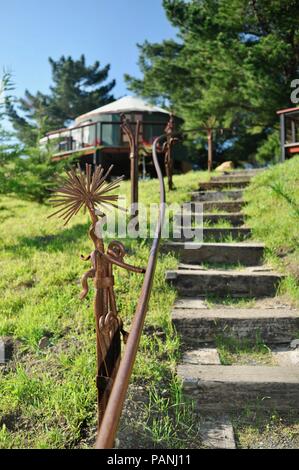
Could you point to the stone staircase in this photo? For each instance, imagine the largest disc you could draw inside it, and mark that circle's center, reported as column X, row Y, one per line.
column 220, row 269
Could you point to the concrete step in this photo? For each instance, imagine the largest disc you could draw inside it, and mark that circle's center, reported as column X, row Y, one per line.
column 222, row 184
column 231, row 388
column 214, row 234
column 216, row 432
column 221, row 283
column 285, row 355
column 247, row 254
column 235, row 219
column 231, row 179
column 202, row 325
column 216, row 196
column 241, row 173
column 222, row 206
column 207, row 354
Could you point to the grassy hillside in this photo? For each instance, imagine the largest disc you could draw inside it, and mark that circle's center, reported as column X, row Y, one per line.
column 273, row 214
column 48, row 395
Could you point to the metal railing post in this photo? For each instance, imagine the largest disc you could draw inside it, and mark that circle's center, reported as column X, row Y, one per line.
column 133, row 138
column 168, row 151
column 90, row 191
column 110, row 421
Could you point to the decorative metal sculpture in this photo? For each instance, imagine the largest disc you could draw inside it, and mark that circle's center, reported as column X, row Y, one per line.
column 133, row 138
column 91, row 191
column 167, row 150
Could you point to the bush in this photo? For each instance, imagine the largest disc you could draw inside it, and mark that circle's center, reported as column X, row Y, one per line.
column 35, row 174
column 270, row 150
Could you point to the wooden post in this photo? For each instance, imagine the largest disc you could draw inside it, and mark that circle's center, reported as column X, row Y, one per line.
column 210, row 149
column 293, row 125
column 282, row 137
column 99, row 157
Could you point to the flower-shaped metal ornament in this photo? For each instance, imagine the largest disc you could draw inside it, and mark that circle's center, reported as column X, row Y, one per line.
column 85, row 190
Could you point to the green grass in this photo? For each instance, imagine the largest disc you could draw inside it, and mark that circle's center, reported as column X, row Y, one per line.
column 213, row 301
column 184, row 184
column 170, row 420
column 223, row 239
column 223, row 266
column 232, row 351
column 48, row 397
column 273, row 214
column 161, row 417
column 221, row 223
column 218, row 211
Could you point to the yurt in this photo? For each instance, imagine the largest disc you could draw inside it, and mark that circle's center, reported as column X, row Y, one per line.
column 97, row 137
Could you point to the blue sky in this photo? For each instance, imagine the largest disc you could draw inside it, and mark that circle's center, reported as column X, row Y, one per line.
column 105, row 30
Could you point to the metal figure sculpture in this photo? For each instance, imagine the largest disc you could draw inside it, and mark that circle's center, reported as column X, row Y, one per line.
column 167, row 150
column 91, row 191
column 133, row 138
column 134, row 144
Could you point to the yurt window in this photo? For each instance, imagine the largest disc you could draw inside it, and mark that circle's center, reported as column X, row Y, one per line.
column 134, row 118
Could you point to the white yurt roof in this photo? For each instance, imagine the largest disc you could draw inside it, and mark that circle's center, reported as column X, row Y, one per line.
column 127, row 104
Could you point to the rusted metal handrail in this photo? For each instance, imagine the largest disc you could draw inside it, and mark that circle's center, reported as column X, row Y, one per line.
column 110, row 421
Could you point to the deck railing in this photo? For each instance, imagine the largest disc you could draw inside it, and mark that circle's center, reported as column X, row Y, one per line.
column 92, row 135
column 113, row 411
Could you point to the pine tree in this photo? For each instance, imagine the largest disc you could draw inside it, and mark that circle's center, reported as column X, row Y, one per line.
column 77, row 88
column 26, row 171
column 233, row 60
column 9, row 150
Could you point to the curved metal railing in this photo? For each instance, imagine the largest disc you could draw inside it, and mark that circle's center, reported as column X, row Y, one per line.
column 111, row 418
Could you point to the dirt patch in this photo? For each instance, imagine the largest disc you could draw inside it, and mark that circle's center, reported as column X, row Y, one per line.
column 133, row 432
column 29, row 284
column 154, row 332
column 271, row 431
column 292, row 265
column 10, row 347
column 11, row 421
